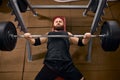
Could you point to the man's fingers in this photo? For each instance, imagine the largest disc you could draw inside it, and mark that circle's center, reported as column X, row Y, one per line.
column 87, row 35
column 27, row 35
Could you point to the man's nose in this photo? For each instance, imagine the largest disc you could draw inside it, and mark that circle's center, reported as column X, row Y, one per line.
column 58, row 23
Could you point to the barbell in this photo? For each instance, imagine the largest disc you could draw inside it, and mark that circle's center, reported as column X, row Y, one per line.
column 34, row 36
column 109, row 36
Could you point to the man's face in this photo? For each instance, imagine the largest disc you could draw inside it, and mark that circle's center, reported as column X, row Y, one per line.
column 58, row 22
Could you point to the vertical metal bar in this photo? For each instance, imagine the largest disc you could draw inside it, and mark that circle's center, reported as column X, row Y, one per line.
column 13, row 4
column 89, row 50
column 29, row 51
column 101, row 5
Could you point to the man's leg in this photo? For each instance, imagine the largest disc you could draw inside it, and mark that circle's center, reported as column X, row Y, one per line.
column 45, row 74
column 73, row 73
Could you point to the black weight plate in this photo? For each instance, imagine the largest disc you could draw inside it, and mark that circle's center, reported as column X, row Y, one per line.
column 7, row 42
column 94, row 5
column 111, row 42
column 22, row 4
column 1, row 2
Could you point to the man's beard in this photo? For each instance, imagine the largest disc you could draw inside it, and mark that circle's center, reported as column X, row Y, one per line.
column 59, row 28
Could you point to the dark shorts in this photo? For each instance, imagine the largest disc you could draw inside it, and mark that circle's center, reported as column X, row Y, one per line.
column 65, row 69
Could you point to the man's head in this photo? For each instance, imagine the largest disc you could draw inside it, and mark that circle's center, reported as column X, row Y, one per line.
column 59, row 23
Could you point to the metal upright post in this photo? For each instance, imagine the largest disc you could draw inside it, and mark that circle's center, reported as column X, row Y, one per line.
column 101, row 6
column 21, row 24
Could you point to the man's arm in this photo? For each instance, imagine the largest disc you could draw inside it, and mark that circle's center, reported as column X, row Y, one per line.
column 35, row 41
column 80, row 41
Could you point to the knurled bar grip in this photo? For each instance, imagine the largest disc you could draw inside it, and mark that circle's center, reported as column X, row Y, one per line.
column 34, row 36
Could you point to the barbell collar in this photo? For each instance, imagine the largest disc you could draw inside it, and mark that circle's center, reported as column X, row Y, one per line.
column 35, row 36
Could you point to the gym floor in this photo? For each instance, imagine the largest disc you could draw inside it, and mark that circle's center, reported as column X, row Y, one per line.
column 14, row 65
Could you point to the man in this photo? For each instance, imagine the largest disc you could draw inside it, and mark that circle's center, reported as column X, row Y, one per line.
column 58, row 62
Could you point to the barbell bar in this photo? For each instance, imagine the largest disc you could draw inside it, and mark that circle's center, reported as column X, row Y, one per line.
column 34, row 36
column 109, row 36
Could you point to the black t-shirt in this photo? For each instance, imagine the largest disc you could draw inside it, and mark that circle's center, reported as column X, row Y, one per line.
column 58, row 47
